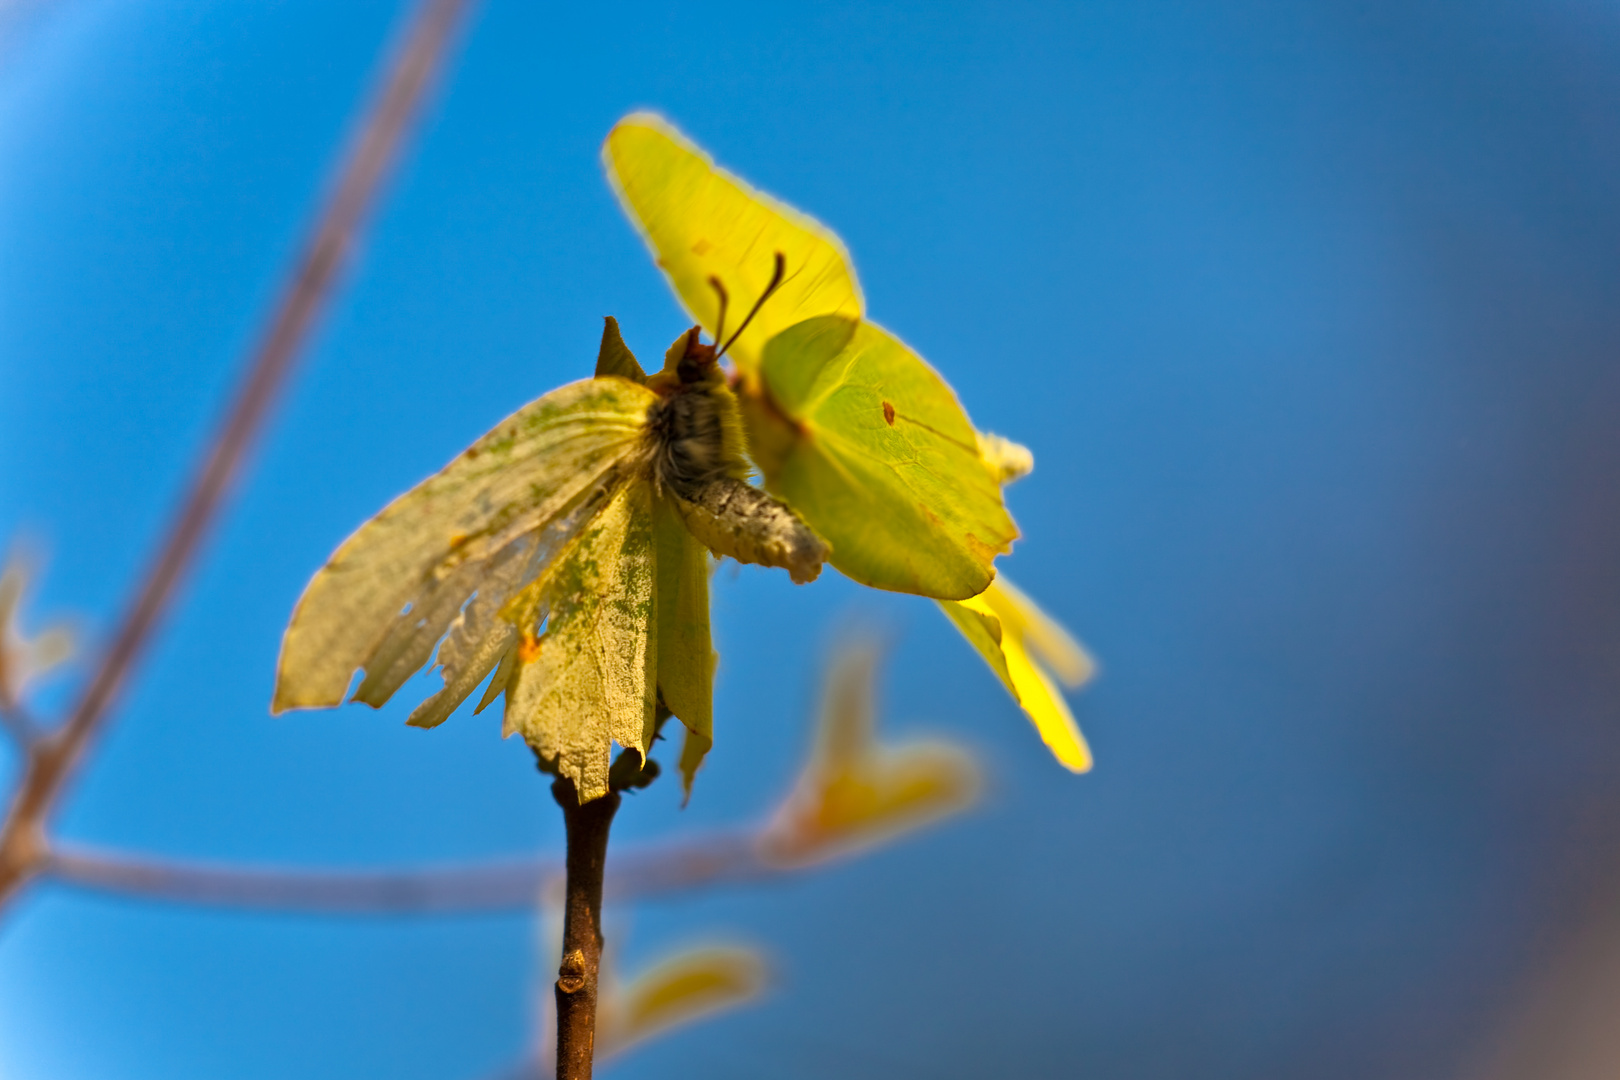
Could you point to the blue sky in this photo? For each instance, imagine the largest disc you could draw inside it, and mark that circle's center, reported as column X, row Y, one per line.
column 1306, row 310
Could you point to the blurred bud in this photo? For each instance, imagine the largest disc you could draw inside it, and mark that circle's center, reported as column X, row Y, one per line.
column 1006, row 460
column 24, row 659
column 856, row 793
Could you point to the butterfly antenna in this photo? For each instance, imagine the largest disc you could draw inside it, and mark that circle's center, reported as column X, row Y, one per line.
column 720, row 323
column 776, row 282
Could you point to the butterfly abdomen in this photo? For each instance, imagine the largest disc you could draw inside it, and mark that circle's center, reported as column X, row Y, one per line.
column 697, row 455
column 737, row 519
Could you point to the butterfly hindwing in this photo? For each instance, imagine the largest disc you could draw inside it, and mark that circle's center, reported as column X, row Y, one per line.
column 686, row 658
column 590, row 678
column 1010, row 632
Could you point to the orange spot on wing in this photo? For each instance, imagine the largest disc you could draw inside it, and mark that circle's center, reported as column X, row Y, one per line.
column 982, row 551
column 528, row 649
column 888, row 413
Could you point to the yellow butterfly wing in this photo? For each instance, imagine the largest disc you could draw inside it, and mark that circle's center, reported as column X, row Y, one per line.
column 860, row 436
column 591, row 678
column 1020, row 642
column 872, row 448
column 625, row 611
column 702, row 222
column 485, row 524
column 686, row 658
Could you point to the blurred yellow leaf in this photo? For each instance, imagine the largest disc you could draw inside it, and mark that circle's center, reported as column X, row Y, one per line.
column 682, row 989
column 856, row 793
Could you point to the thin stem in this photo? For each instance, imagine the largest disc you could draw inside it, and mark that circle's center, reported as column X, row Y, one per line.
column 587, row 825
column 52, row 759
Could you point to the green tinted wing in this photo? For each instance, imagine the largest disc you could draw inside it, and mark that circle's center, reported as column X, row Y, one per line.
column 860, row 436
column 487, row 524
column 590, row 678
column 702, row 222
column 686, row 658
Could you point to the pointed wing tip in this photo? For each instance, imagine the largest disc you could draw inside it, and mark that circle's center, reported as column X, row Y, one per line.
column 642, row 118
column 647, row 120
column 1079, row 765
column 695, row 749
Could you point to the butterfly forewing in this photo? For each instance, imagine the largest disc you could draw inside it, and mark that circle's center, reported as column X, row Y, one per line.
column 702, row 222
column 392, row 589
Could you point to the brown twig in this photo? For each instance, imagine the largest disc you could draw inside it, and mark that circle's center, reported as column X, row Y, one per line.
column 52, row 759
column 587, row 826
column 19, row 724
column 496, row 885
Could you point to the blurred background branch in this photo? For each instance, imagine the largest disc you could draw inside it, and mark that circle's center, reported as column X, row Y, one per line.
column 509, row 884
column 50, row 761
column 1565, row 1025
column 855, row 793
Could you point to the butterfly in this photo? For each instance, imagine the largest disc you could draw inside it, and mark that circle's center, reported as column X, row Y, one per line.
column 567, row 552
column 849, row 426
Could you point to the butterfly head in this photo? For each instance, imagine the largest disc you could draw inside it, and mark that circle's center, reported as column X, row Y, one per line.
column 692, row 362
